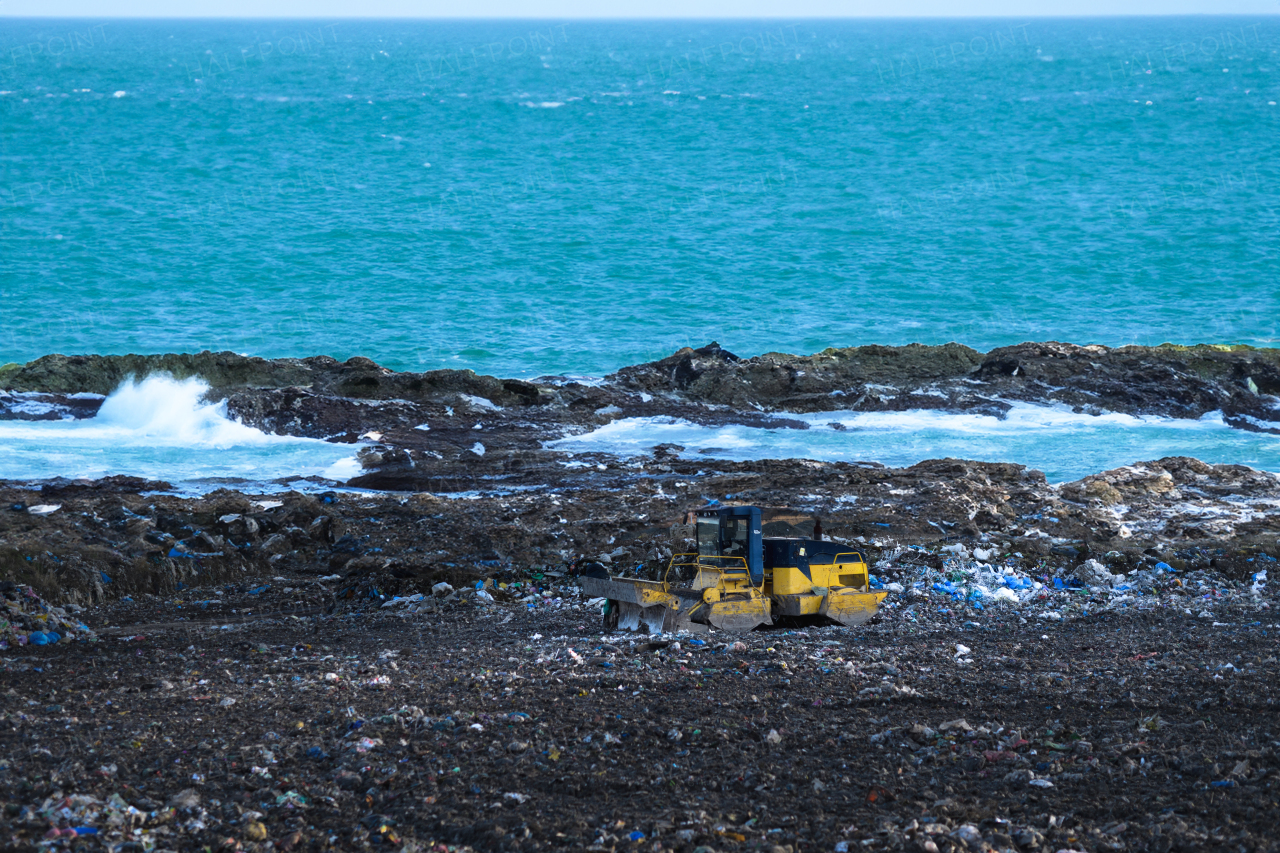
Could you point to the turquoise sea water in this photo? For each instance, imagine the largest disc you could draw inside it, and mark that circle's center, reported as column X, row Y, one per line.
column 526, row 198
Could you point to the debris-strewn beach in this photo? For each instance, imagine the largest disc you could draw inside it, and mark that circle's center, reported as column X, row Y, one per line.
column 406, row 660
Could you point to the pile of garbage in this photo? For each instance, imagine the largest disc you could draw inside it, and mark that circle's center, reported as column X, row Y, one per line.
column 27, row 619
column 972, row 583
column 537, row 591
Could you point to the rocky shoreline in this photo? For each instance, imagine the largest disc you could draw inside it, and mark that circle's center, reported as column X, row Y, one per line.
column 293, row 394
column 453, row 433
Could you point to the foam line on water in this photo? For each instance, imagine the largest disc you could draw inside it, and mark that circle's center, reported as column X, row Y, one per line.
column 1063, row 444
column 163, row 428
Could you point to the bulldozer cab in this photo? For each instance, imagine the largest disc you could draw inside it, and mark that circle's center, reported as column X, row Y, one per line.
column 732, row 534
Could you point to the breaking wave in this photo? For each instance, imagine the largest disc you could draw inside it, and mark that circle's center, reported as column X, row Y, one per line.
column 162, row 428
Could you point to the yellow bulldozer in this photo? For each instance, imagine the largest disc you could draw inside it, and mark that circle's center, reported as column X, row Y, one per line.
column 741, row 579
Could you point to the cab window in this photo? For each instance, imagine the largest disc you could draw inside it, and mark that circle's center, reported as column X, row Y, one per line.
column 709, row 537
column 733, row 536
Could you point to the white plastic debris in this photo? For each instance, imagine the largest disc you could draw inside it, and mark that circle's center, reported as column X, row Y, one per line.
column 404, row 601
column 1006, row 595
column 1093, row 573
column 43, row 509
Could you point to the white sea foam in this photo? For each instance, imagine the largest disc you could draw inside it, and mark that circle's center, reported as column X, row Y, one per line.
column 162, row 410
column 1063, row 444
column 163, row 428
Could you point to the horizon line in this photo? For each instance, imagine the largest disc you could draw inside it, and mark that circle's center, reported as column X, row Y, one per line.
column 623, row 18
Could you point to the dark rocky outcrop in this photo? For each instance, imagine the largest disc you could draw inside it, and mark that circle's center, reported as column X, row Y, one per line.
column 1170, row 381
column 357, row 378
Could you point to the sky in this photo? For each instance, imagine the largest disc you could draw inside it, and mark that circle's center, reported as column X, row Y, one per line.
column 564, row 9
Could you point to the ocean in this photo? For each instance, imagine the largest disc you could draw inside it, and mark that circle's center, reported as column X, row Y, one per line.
column 546, row 197
column 528, row 198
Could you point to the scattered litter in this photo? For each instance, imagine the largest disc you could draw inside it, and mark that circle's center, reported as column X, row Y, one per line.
column 26, row 618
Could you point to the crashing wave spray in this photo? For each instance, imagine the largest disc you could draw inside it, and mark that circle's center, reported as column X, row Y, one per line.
column 161, row 409
column 163, row 428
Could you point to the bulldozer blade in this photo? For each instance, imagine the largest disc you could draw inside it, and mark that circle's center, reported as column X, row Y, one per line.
column 632, row 616
column 739, row 617
column 851, row 608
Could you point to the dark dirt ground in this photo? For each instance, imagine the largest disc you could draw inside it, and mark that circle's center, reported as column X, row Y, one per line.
column 1148, row 742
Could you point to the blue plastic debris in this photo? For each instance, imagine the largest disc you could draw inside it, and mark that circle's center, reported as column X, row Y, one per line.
column 875, row 582
column 1224, row 783
column 1164, row 567
column 260, row 590
column 316, row 752
column 946, row 586
column 1058, row 584
column 636, row 836
column 105, row 577
column 85, row 830
column 43, row 638
column 1016, row 582
column 697, row 642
